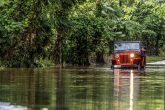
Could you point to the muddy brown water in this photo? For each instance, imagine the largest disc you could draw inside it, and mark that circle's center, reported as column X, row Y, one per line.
column 82, row 89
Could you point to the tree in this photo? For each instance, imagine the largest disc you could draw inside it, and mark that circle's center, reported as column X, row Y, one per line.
column 98, row 34
column 63, row 8
column 24, row 33
column 150, row 15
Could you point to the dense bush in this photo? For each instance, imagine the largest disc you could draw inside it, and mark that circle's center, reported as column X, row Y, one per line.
column 32, row 32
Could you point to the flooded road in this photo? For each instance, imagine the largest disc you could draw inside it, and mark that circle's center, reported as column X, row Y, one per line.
column 82, row 89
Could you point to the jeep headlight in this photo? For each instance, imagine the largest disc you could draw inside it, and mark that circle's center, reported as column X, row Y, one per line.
column 132, row 55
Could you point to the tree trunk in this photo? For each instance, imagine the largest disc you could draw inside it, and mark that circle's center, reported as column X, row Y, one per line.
column 120, row 3
column 61, row 33
column 100, row 58
column 157, row 45
column 98, row 35
column 58, row 49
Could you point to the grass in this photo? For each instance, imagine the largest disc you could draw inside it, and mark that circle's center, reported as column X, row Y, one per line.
column 154, row 58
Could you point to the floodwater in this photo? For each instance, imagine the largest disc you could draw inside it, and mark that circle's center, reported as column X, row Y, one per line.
column 82, row 89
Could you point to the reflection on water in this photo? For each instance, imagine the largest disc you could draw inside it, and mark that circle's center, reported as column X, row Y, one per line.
column 81, row 89
column 126, row 87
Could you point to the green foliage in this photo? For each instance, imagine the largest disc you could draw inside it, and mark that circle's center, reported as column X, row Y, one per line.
column 26, row 37
column 150, row 15
column 79, row 42
column 72, row 30
column 89, row 33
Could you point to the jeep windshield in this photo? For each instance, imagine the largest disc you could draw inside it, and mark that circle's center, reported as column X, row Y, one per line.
column 127, row 46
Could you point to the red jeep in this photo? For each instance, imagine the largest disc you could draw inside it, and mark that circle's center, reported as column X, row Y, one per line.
column 128, row 54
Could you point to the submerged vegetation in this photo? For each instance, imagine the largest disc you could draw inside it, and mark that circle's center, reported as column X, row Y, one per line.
column 37, row 33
